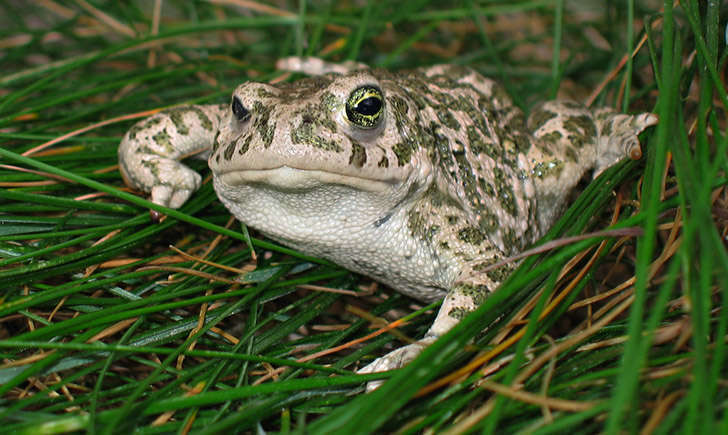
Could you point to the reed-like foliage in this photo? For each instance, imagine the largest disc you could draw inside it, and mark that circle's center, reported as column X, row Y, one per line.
column 112, row 323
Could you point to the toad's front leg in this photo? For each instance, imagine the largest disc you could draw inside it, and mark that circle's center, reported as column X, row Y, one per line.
column 150, row 152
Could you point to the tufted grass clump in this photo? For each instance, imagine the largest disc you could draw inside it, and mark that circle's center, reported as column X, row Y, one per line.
column 111, row 322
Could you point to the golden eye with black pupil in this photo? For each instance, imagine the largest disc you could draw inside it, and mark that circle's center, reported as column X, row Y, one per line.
column 240, row 112
column 365, row 106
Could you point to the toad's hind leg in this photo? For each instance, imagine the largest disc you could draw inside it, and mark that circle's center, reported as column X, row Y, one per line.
column 571, row 140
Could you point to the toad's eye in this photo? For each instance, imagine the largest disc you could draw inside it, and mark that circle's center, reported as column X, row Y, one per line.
column 365, row 106
column 240, row 112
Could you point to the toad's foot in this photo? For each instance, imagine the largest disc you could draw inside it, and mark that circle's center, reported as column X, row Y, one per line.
column 393, row 360
column 465, row 296
column 150, row 152
column 170, row 182
column 618, row 136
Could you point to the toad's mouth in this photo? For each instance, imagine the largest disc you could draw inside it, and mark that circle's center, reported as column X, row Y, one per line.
column 288, row 178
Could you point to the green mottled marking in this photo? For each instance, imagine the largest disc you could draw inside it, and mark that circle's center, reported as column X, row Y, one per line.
column 479, row 117
column 215, row 141
column 480, row 144
column 457, row 313
column 358, row 155
column 604, row 113
column 496, row 275
column 329, row 101
column 453, row 83
column 571, row 104
column 486, row 106
column 578, row 140
column 205, row 121
column 176, row 116
column 265, row 129
column 229, row 150
column 523, row 143
column 301, row 90
column 480, row 267
column 329, row 124
column 246, row 145
column 471, row 235
column 328, row 104
column 152, row 166
column 570, row 151
column 264, row 93
column 420, row 101
column 304, row 134
column 447, row 118
column 506, row 197
column 510, row 240
column 488, row 222
column 398, row 110
column 151, row 122
column 164, row 139
column 442, row 146
column 146, row 125
column 430, row 233
column 439, row 199
column 582, row 129
column 467, row 178
column 416, row 224
column 267, row 134
column 516, row 128
column 551, row 168
column 517, row 122
column 383, row 162
column 403, row 151
column 607, row 128
column 144, row 149
column 540, row 117
column 444, row 99
column 486, row 187
column 552, row 137
column 499, row 274
column 399, row 104
column 477, row 293
column 136, row 128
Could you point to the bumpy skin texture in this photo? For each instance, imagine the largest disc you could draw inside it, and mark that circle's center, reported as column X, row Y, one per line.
column 432, row 179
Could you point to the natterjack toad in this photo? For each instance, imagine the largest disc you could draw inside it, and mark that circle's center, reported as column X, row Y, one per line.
column 418, row 179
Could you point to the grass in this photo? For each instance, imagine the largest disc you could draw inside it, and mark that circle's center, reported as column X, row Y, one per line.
column 110, row 322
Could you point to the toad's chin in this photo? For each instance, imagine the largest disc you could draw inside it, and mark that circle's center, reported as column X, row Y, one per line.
column 288, row 178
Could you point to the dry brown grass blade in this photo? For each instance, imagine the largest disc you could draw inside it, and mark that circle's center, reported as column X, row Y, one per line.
column 107, row 19
column 613, row 73
column 313, row 356
column 91, row 127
